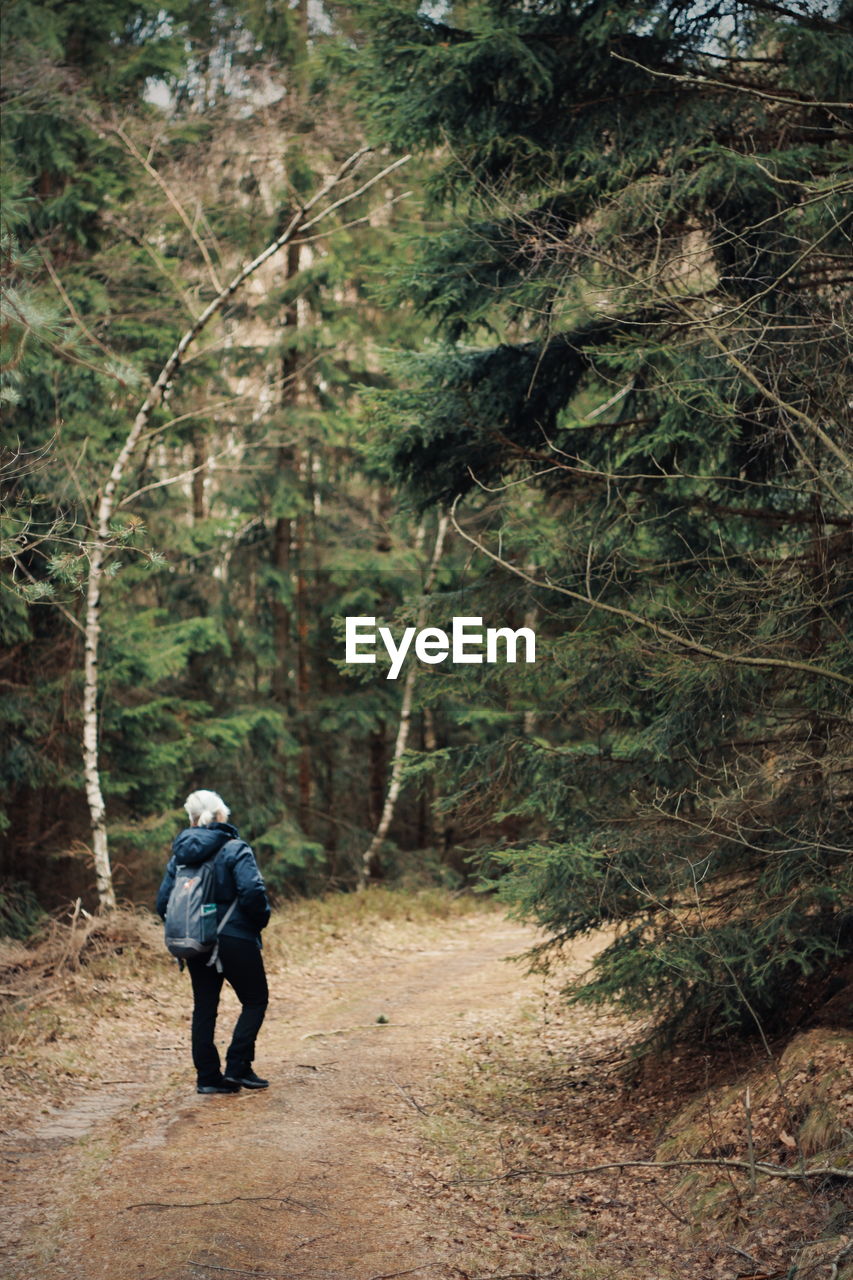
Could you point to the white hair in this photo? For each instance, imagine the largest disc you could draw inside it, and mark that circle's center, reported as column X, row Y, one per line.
column 205, row 808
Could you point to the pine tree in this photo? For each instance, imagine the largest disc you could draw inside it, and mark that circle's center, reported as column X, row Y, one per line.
column 641, row 296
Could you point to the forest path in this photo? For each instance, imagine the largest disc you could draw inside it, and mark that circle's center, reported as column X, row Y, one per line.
column 310, row 1179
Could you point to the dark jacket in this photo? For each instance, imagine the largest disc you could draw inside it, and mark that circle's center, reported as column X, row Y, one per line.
column 236, row 875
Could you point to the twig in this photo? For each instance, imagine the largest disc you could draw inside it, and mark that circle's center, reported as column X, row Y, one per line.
column 750, row 1144
column 704, row 82
column 521, row 1275
column 771, row 395
column 663, row 1204
column 771, row 1170
column 67, row 952
column 412, row 1101
column 390, row 1275
column 240, row 1271
column 347, row 226
column 43, row 995
column 742, row 1253
column 303, row 1244
column 359, row 1026
column 664, row 633
column 842, row 1253
column 389, row 169
column 173, row 201
column 207, row 1204
column 75, row 314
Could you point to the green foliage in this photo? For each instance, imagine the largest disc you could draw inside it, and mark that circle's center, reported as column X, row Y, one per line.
column 147, row 156
column 646, row 262
column 633, row 277
column 291, row 863
column 700, row 945
column 20, row 912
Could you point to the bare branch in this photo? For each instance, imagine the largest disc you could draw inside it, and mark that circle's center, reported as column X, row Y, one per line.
column 74, row 313
column 769, row 1170
column 686, row 642
column 173, row 201
column 706, row 82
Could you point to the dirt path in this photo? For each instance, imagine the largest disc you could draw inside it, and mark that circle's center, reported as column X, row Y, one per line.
column 307, row 1180
column 434, row 1113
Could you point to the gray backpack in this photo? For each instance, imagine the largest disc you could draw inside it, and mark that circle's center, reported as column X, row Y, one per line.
column 191, row 928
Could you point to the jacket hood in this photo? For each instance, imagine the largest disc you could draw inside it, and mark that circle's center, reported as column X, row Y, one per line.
column 197, row 844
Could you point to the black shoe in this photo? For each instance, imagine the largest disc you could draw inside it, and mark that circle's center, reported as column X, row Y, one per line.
column 247, row 1079
column 221, row 1086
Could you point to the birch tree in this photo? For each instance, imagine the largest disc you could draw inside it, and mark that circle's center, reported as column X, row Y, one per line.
column 371, row 853
column 302, row 222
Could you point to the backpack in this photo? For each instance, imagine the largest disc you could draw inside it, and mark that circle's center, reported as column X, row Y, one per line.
column 191, row 928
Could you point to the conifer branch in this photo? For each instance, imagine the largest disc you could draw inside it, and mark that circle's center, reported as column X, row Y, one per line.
column 706, row 82
column 789, row 664
column 815, row 21
column 768, row 392
column 683, row 307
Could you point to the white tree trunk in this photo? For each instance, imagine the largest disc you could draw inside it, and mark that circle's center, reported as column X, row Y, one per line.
column 368, row 861
column 100, row 546
column 94, row 795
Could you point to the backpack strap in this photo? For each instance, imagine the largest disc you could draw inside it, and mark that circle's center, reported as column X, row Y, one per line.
column 214, row 955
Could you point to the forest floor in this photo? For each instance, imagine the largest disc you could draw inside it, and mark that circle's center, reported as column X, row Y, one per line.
column 428, row 1098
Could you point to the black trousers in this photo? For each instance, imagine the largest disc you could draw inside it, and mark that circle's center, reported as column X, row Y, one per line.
column 243, row 968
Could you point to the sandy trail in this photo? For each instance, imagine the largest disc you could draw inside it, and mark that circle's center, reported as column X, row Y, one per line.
column 304, row 1181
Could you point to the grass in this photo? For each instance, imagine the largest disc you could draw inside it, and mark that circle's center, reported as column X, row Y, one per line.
column 381, row 902
column 300, row 929
column 801, row 1107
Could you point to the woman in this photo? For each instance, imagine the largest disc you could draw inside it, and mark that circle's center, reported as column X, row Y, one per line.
column 236, row 877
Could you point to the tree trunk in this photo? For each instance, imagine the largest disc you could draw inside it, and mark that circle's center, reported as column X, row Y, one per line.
column 281, row 612
column 368, row 862
column 283, row 532
column 303, row 680
column 199, row 461
column 91, row 772
column 378, row 757
column 531, row 618
column 430, row 745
